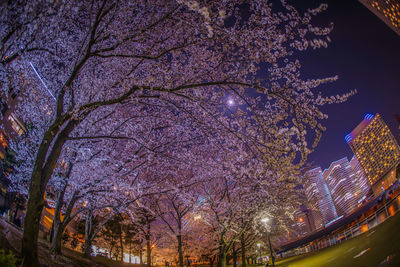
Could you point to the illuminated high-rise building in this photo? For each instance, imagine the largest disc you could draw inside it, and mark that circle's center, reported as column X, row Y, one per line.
column 319, row 198
column 387, row 10
column 377, row 151
column 360, row 179
column 341, row 186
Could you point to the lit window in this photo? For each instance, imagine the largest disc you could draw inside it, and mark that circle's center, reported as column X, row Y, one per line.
column 16, row 124
column 3, row 138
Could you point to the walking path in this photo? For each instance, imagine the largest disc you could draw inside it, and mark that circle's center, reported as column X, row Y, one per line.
column 379, row 246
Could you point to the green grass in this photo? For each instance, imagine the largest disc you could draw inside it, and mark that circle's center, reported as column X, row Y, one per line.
column 378, row 244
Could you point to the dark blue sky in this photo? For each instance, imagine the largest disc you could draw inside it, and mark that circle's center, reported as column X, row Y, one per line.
column 365, row 53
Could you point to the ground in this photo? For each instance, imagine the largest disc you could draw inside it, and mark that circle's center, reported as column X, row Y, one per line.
column 10, row 240
column 380, row 246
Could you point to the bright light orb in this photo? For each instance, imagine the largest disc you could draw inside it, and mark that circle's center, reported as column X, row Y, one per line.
column 265, row 220
column 231, row 102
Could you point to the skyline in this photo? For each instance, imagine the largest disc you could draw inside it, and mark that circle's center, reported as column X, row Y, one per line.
column 179, row 128
column 364, row 54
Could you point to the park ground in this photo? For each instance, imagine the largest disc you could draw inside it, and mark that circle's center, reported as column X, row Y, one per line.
column 380, row 246
column 10, row 240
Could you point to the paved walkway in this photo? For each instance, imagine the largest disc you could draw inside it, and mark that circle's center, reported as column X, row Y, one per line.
column 379, row 246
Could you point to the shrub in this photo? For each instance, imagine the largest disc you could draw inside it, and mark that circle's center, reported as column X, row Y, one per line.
column 7, row 260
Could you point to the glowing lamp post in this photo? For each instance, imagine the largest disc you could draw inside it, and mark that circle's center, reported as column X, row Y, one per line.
column 265, row 221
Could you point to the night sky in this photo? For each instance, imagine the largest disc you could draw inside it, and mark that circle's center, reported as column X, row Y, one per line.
column 365, row 54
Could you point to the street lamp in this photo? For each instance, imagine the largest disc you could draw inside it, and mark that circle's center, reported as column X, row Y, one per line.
column 266, row 220
column 259, row 250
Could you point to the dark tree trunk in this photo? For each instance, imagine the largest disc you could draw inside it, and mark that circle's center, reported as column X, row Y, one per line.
column 130, row 251
column 234, row 255
column 148, row 244
column 31, row 225
column 59, row 226
column 243, row 248
column 57, row 229
column 222, row 259
column 51, row 231
column 57, row 238
column 148, row 252
column 45, row 162
column 212, row 261
column 141, row 256
column 120, row 242
column 87, row 249
column 180, row 252
column 222, row 253
column 15, row 214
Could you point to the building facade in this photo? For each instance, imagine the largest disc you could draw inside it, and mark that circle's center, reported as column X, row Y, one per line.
column 319, row 198
column 363, row 189
column 377, row 151
column 387, row 10
column 340, row 180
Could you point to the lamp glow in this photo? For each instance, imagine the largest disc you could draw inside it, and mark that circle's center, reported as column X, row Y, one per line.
column 265, row 220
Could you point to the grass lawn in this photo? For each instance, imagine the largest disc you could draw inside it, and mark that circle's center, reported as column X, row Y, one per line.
column 380, row 246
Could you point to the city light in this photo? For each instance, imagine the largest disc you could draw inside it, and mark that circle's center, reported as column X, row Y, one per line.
column 265, row 220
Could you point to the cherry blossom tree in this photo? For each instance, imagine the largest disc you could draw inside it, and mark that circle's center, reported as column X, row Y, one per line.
column 173, row 208
column 101, row 59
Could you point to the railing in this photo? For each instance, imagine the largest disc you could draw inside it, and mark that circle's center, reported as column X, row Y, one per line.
column 388, row 210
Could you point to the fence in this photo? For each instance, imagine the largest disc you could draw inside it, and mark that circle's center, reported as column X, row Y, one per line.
column 389, row 209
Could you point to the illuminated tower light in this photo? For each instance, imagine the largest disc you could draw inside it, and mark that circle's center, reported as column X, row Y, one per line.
column 348, row 138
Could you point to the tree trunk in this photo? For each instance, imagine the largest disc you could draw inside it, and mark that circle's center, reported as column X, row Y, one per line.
column 222, row 259
column 141, row 256
column 180, row 252
column 59, row 226
column 148, row 252
column 32, row 222
column 130, row 251
column 57, row 238
column 87, row 249
column 148, row 244
column 45, row 162
column 212, row 261
column 56, row 227
column 234, row 255
column 51, row 231
column 120, row 242
column 222, row 253
column 243, row 247
column 15, row 214
column 88, row 235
